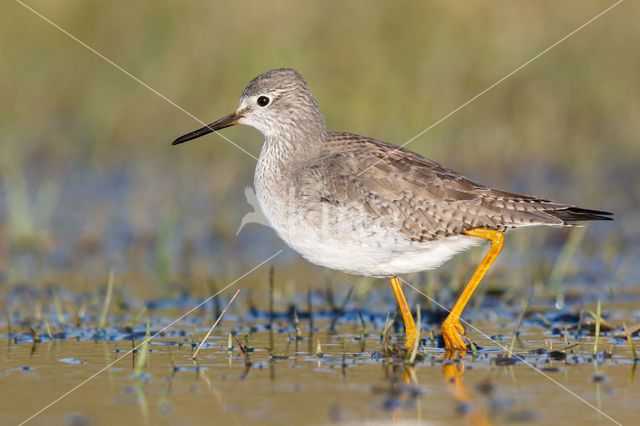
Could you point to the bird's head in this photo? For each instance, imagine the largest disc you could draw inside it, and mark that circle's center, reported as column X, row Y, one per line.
column 278, row 103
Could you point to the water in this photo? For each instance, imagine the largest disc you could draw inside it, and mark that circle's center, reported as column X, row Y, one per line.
column 350, row 378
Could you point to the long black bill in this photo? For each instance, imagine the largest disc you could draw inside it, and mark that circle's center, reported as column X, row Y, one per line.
column 229, row 120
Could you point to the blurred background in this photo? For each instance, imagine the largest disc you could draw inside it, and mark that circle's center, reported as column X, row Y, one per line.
column 89, row 182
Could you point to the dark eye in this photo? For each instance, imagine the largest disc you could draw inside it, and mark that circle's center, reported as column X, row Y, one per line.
column 263, row 101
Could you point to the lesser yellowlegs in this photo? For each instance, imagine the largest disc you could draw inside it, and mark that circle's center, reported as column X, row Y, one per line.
column 366, row 207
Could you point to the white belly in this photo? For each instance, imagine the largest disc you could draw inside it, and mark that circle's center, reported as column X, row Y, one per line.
column 382, row 261
column 372, row 249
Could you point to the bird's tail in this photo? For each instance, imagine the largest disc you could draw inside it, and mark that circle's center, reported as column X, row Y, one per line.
column 577, row 214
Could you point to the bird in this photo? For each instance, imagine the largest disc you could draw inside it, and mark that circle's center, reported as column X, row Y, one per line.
column 366, row 207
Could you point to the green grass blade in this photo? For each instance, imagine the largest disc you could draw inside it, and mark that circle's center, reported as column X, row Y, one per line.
column 107, row 300
column 143, row 355
column 523, row 309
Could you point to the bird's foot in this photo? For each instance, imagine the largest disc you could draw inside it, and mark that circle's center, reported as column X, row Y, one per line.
column 452, row 333
column 411, row 337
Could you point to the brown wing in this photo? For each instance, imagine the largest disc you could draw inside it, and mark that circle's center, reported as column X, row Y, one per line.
column 432, row 201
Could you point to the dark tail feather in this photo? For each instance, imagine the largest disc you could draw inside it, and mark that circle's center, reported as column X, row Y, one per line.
column 577, row 214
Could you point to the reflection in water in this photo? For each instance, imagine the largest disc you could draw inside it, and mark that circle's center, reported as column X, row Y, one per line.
column 142, row 400
column 201, row 374
column 452, row 370
column 404, row 391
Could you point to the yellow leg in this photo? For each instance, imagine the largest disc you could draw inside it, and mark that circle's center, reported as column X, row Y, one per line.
column 409, row 325
column 452, row 330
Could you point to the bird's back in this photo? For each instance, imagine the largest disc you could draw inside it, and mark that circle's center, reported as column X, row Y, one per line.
column 426, row 200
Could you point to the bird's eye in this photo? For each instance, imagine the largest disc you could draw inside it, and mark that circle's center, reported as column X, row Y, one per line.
column 263, row 101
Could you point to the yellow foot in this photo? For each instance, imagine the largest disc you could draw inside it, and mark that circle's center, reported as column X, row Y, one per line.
column 452, row 333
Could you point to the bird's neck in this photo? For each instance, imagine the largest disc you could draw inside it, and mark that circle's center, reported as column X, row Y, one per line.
column 281, row 158
column 292, row 147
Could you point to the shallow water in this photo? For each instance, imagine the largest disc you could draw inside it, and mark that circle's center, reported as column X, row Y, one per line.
column 350, row 378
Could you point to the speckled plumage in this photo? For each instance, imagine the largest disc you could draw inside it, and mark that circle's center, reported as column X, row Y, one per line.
column 363, row 206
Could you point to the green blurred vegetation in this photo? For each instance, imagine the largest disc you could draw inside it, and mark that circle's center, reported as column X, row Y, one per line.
column 88, row 180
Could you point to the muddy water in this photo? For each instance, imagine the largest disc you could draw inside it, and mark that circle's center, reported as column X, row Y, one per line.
column 348, row 378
